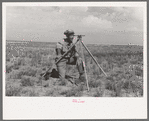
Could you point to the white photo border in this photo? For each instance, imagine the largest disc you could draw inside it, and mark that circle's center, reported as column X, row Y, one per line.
column 63, row 107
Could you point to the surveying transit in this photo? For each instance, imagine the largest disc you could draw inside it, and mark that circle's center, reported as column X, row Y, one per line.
column 79, row 39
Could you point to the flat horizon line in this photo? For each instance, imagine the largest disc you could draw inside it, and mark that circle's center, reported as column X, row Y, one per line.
column 87, row 43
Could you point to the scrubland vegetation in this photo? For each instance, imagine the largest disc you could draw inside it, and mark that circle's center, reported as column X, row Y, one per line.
column 122, row 63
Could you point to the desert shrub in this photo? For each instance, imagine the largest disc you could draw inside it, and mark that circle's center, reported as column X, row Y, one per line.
column 16, row 67
column 129, row 84
column 133, row 86
column 140, row 92
column 19, row 61
column 29, row 71
column 15, row 63
column 126, row 84
column 39, row 81
column 15, row 74
column 24, row 70
column 98, row 93
column 137, row 89
column 49, row 92
column 94, row 83
column 74, row 91
column 109, row 85
column 33, row 93
column 123, row 61
column 9, row 67
column 79, row 88
column 46, row 61
column 71, row 92
column 114, row 82
column 78, row 94
column 118, row 87
column 62, row 82
column 45, row 83
column 38, row 72
column 109, row 78
column 134, row 61
column 7, row 59
column 96, row 70
column 27, row 91
column 138, row 71
column 12, row 90
column 64, row 90
column 22, row 61
column 28, row 81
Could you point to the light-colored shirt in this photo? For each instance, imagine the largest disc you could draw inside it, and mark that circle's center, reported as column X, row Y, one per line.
column 64, row 46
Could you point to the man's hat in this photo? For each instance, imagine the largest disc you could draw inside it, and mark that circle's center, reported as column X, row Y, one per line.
column 69, row 32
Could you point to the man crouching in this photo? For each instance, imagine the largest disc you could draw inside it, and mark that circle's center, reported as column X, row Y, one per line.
column 72, row 58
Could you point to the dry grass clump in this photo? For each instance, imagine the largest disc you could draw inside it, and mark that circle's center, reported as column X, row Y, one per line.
column 49, row 92
column 64, row 90
column 24, row 71
column 62, row 82
column 133, row 87
column 13, row 87
column 14, row 64
column 29, row 91
column 114, row 83
column 95, row 83
column 9, row 67
column 75, row 91
column 13, row 90
column 98, row 92
column 71, row 93
column 29, row 71
column 28, row 81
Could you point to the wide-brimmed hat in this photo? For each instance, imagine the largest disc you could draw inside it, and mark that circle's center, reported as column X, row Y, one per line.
column 69, row 32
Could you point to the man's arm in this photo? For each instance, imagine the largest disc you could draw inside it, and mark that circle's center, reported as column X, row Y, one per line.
column 76, row 52
column 58, row 50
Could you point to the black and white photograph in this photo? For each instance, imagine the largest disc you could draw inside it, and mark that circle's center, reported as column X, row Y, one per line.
column 74, row 50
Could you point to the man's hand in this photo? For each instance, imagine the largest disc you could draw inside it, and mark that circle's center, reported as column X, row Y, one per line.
column 67, row 56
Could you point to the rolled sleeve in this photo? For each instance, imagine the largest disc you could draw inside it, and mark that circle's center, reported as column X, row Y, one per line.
column 59, row 45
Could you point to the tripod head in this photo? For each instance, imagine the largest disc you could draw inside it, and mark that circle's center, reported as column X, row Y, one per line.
column 79, row 36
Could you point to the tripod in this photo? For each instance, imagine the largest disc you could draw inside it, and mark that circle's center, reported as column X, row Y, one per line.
column 81, row 42
column 84, row 64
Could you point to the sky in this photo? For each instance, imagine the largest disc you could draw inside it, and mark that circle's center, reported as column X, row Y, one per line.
column 100, row 25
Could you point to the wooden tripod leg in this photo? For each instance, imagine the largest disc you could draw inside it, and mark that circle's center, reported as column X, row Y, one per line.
column 84, row 66
column 93, row 58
